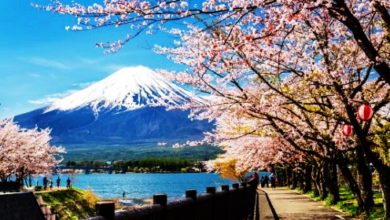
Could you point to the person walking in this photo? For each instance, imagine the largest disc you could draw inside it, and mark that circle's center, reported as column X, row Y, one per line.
column 58, row 182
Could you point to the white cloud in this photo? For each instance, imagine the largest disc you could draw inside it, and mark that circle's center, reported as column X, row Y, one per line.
column 113, row 67
column 44, row 62
column 83, row 85
column 49, row 99
column 75, row 63
column 100, row 64
column 35, row 75
column 89, row 61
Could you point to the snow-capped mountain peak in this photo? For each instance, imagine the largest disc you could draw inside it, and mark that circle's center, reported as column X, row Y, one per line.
column 130, row 88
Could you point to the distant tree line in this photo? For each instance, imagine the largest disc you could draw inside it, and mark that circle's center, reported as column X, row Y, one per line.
column 145, row 165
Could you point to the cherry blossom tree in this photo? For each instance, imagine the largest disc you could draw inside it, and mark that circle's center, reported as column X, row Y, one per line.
column 26, row 152
column 306, row 103
column 359, row 26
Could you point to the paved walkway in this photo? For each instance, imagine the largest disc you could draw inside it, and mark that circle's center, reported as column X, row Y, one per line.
column 291, row 205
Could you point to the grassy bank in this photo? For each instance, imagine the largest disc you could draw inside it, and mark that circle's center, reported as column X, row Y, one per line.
column 71, row 203
column 348, row 203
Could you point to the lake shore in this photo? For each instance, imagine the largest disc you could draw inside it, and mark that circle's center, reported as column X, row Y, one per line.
column 141, row 185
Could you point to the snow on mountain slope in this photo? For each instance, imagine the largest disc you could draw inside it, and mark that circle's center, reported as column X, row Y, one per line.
column 126, row 108
column 131, row 88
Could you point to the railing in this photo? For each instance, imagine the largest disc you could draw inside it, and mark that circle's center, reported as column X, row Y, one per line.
column 46, row 210
column 10, row 187
column 236, row 203
column 18, row 206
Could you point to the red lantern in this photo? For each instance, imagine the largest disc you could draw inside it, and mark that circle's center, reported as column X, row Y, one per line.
column 347, row 130
column 365, row 112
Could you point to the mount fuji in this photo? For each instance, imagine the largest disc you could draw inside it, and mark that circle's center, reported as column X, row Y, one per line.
column 127, row 107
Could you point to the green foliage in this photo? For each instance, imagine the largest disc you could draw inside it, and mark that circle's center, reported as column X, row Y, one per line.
column 125, row 153
column 159, row 164
column 141, row 158
column 71, row 203
column 382, row 139
column 348, row 203
column 146, row 165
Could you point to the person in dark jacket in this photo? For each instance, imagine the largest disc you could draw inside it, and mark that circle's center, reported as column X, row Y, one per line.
column 45, row 181
column 253, row 183
column 58, row 182
column 262, row 182
column 254, row 180
column 266, row 181
column 68, row 183
column 273, row 180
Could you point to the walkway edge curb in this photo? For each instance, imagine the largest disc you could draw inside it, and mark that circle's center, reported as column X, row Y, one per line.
column 276, row 217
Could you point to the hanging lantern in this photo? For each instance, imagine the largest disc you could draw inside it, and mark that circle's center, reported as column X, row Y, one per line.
column 365, row 112
column 347, row 130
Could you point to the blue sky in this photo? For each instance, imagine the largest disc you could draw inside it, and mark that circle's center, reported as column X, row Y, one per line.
column 41, row 61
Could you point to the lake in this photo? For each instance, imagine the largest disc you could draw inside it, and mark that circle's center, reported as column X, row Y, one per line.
column 144, row 185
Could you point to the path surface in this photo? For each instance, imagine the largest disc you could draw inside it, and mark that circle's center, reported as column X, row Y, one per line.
column 291, row 205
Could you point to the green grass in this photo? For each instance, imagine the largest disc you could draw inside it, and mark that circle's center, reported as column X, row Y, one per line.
column 70, row 203
column 348, row 203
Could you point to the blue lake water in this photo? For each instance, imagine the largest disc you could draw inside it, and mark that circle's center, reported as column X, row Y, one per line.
column 142, row 185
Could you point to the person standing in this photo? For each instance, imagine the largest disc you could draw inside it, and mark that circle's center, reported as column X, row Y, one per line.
column 273, row 180
column 262, row 181
column 266, row 181
column 254, row 181
column 51, row 183
column 45, row 182
column 68, row 186
column 29, row 181
column 58, row 182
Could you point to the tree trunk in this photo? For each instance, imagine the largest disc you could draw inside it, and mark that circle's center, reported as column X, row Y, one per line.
column 301, row 181
column 316, row 190
column 364, row 179
column 323, row 181
column 384, row 177
column 352, row 184
column 383, row 170
column 333, row 183
column 294, row 181
column 288, row 176
column 317, row 184
column 308, row 170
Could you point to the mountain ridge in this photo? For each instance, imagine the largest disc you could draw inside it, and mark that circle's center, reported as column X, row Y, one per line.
column 127, row 107
column 130, row 87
